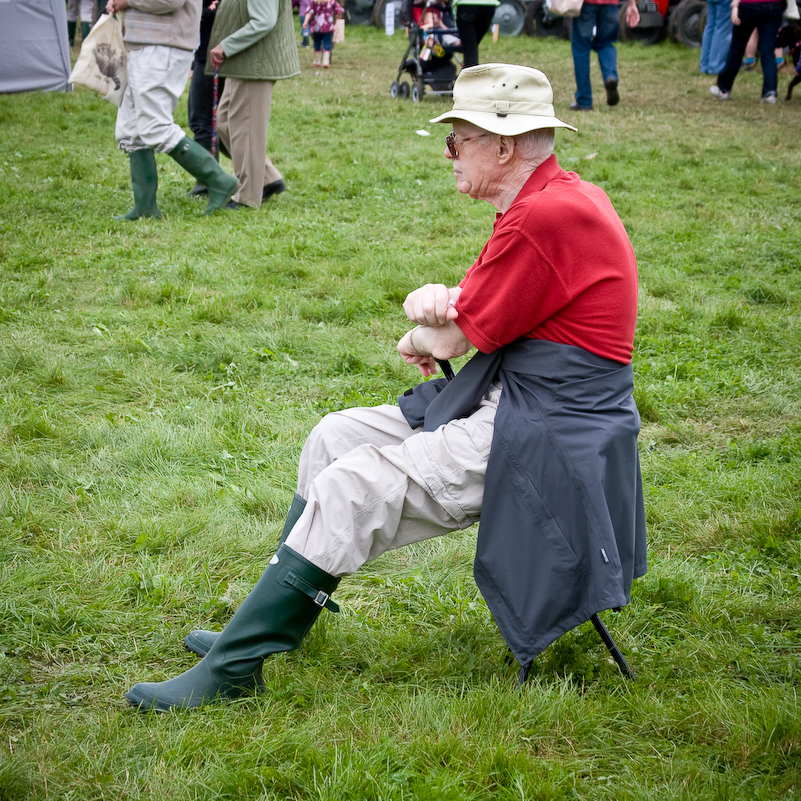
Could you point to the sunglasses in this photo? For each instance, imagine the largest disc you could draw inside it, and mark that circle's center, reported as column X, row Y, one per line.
column 451, row 141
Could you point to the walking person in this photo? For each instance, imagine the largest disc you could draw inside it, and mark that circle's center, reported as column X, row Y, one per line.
column 747, row 16
column 200, row 102
column 160, row 37
column 319, row 20
column 304, row 29
column 473, row 20
column 83, row 10
column 717, row 36
column 596, row 28
column 252, row 46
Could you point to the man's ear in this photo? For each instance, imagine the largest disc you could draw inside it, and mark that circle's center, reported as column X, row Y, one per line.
column 505, row 149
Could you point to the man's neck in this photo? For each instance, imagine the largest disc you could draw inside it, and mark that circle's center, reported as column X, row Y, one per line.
column 517, row 178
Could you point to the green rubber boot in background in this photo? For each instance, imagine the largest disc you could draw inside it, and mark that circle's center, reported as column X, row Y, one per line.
column 71, row 26
column 85, row 28
column 200, row 641
column 200, row 188
column 198, row 162
column 275, row 617
column 145, row 180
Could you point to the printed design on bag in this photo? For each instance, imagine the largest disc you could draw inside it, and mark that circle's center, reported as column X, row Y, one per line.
column 109, row 63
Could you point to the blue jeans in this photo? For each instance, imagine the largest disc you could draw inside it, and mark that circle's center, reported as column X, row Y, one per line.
column 323, row 41
column 604, row 19
column 717, row 36
column 766, row 18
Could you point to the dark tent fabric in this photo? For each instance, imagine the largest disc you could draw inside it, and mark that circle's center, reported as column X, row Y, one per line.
column 34, row 52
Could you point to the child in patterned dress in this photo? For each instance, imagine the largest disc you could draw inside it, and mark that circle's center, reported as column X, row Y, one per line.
column 320, row 20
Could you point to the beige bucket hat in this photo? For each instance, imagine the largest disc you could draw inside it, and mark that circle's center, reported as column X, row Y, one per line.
column 503, row 99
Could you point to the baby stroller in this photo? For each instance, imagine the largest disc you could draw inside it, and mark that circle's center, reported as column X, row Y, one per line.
column 429, row 58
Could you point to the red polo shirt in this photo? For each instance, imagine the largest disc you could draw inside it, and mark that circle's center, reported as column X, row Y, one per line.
column 559, row 266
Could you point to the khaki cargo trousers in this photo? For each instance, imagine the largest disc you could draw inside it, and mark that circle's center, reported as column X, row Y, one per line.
column 373, row 484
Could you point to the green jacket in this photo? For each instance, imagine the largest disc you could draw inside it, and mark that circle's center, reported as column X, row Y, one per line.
column 258, row 38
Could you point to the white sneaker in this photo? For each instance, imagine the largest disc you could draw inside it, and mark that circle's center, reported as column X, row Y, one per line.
column 719, row 93
column 769, row 98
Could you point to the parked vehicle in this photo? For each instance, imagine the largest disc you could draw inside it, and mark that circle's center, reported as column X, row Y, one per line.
column 541, row 22
column 682, row 21
column 687, row 21
column 510, row 17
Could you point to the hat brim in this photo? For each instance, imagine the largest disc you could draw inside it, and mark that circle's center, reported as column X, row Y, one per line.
column 510, row 125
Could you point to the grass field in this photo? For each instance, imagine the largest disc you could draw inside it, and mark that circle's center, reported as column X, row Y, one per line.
column 158, row 380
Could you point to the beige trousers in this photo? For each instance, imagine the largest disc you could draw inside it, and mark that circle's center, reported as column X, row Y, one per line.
column 243, row 117
column 156, row 78
column 373, row 484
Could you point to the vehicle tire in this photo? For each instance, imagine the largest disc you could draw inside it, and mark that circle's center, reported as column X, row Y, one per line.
column 404, row 89
column 687, row 22
column 645, row 34
column 510, row 17
column 394, row 89
column 358, row 12
column 418, row 90
column 540, row 22
column 380, row 13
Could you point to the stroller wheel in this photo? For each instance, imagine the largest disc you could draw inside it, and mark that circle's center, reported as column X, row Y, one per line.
column 394, row 89
column 404, row 89
column 418, row 89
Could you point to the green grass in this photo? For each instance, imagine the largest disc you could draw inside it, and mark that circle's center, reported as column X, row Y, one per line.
column 158, row 380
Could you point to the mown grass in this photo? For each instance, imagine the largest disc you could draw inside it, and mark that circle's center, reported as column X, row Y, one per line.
column 158, row 380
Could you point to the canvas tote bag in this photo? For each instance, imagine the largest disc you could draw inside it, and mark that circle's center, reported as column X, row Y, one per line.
column 566, row 8
column 339, row 31
column 101, row 63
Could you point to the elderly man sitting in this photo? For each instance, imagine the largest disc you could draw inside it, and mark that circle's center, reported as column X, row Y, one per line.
column 536, row 436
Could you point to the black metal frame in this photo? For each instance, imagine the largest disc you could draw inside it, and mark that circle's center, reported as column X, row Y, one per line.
column 608, row 641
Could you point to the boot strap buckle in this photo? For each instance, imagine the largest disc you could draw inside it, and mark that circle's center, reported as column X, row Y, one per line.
column 323, row 600
column 320, row 597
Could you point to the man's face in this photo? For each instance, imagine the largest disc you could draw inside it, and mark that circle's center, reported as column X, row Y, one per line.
column 476, row 166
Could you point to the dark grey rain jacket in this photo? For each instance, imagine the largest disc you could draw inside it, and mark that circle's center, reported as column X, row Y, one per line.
column 562, row 531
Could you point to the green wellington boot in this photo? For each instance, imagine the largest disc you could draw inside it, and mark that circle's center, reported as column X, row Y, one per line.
column 145, row 180
column 275, row 617
column 200, row 641
column 71, row 26
column 198, row 162
column 85, row 28
column 200, row 188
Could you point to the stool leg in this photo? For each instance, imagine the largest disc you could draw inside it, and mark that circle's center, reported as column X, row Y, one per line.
column 612, row 646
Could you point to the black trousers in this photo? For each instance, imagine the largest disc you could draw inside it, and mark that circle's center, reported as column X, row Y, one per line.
column 201, row 104
column 473, row 22
column 766, row 19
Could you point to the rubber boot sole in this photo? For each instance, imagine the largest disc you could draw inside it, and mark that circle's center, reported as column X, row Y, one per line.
column 200, row 641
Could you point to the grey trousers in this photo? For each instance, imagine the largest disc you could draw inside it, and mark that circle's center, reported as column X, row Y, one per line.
column 373, row 484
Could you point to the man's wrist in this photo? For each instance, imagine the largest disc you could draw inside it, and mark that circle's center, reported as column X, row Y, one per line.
column 411, row 340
